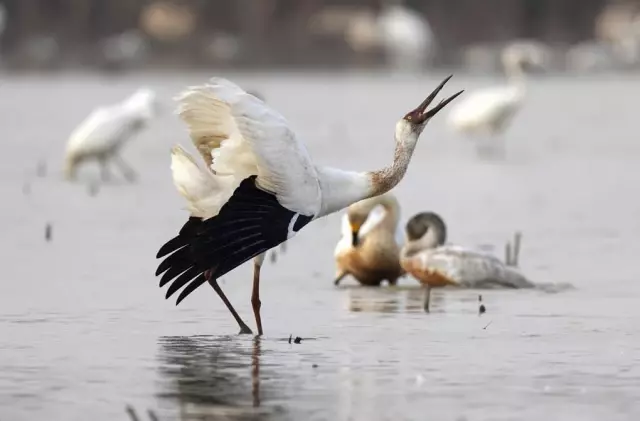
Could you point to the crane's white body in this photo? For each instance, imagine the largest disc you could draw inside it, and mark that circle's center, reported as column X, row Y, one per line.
column 101, row 135
column 246, row 137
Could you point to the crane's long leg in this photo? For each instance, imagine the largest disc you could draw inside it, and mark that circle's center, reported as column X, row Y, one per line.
column 214, row 284
column 126, row 169
column 255, row 294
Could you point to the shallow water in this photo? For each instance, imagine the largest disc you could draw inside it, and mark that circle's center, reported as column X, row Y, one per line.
column 84, row 329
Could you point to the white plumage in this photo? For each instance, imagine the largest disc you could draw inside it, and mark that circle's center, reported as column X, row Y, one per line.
column 489, row 111
column 406, row 36
column 244, row 138
column 103, row 133
column 374, row 218
column 435, row 264
column 262, row 186
column 369, row 248
column 468, row 268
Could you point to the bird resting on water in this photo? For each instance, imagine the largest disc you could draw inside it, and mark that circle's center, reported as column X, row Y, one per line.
column 426, row 256
column 262, row 187
column 369, row 249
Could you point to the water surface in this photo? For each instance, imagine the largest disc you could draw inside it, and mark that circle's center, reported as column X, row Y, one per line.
column 85, row 330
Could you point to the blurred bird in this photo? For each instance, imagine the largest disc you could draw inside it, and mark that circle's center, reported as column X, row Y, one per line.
column 262, row 187
column 405, row 35
column 434, row 264
column 489, row 111
column 369, row 249
column 103, row 133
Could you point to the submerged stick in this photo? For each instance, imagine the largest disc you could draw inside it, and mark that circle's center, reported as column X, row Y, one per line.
column 517, row 238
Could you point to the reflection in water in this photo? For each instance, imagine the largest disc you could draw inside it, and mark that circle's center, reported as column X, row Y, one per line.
column 209, row 377
column 408, row 299
column 392, row 299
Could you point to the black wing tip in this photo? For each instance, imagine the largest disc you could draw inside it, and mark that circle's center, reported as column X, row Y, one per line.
column 192, row 286
column 188, row 230
column 170, row 246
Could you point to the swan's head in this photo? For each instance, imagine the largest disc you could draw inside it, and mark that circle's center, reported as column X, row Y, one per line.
column 408, row 129
column 359, row 212
column 524, row 57
column 427, row 228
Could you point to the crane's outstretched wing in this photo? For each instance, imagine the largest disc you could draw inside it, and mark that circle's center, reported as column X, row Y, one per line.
column 242, row 136
column 250, row 223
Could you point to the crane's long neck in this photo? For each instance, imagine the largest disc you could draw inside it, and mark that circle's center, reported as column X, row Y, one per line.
column 387, row 178
column 342, row 188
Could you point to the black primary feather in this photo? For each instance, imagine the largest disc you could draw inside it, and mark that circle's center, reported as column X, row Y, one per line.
column 250, row 223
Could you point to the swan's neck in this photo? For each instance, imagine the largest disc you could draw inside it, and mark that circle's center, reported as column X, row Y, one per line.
column 430, row 240
column 343, row 188
column 392, row 212
column 516, row 76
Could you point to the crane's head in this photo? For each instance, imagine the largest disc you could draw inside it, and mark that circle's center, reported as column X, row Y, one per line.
column 416, row 120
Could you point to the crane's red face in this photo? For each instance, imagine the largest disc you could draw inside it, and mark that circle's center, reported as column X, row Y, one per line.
column 421, row 115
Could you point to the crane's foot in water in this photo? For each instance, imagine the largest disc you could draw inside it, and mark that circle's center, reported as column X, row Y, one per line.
column 244, row 330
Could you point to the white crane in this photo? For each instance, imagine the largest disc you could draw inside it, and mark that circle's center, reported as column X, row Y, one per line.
column 434, row 264
column 486, row 113
column 103, row 133
column 262, row 188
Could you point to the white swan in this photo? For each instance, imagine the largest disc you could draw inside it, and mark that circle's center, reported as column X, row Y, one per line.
column 369, row 249
column 434, row 264
column 486, row 113
column 103, row 133
column 262, row 188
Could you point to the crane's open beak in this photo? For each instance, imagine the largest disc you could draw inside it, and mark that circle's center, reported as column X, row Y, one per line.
column 421, row 114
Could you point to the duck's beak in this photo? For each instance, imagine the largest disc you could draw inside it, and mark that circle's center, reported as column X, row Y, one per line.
column 421, row 114
column 355, row 229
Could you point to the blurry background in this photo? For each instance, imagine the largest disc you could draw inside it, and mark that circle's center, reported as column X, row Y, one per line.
column 312, row 33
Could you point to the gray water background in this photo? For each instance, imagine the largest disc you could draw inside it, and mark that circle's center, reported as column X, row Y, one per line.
column 85, row 330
